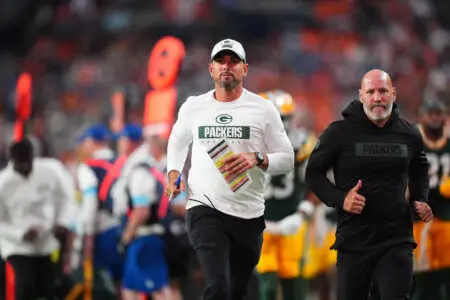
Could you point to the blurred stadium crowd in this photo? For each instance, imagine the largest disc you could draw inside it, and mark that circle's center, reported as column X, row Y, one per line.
column 80, row 52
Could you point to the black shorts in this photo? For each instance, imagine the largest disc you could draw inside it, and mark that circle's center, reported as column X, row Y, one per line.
column 34, row 277
column 228, row 249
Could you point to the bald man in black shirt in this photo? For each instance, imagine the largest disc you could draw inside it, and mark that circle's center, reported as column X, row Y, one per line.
column 375, row 155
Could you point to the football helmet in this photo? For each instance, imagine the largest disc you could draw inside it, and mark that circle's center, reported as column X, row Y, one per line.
column 282, row 100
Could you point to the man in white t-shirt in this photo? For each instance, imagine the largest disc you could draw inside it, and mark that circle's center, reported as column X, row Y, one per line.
column 36, row 206
column 237, row 137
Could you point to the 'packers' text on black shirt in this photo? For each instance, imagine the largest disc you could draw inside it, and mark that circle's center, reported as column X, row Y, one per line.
column 381, row 149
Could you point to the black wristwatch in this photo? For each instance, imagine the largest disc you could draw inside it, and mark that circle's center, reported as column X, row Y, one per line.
column 259, row 158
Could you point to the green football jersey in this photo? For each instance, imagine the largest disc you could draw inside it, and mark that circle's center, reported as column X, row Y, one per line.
column 439, row 160
column 438, row 155
column 284, row 192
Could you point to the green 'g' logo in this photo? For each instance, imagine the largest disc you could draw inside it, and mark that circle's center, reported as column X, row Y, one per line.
column 224, row 119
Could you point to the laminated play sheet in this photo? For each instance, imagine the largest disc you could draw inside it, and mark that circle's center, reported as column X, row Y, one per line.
column 218, row 153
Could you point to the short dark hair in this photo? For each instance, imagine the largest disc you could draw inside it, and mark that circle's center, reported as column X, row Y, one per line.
column 21, row 151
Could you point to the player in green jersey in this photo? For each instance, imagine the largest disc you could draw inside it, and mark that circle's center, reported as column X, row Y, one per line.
column 285, row 211
column 432, row 256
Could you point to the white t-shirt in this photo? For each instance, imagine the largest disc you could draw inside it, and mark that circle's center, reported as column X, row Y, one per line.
column 41, row 201
column 248, row 124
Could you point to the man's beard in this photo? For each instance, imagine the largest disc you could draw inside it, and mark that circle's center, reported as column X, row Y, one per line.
column 229, row 85
column 434, row 132
column 378, row 118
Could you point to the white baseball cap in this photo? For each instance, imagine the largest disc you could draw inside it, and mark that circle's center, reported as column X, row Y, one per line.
column 229, row 45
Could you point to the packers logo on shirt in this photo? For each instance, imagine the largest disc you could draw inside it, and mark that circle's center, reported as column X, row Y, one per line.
column 230, row 132
column 224, row 119
column 221, row 131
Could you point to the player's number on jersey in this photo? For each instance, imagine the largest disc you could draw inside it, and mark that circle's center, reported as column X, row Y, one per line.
column 437, row 162
column 284, row 190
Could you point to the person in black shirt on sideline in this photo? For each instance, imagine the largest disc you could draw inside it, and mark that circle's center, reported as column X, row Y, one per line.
column 375, row 155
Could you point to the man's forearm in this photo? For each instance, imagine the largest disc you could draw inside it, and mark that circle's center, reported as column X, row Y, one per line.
column 70, row 237
column 419, row 180
column 138, row 218
column 177, row 152
column 278, row 163
column 66, row 254
column 326, row 191
column 419, row 186
column 89, row 247
column 418, row 193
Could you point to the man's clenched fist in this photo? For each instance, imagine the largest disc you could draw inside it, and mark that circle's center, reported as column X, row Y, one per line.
column 171, row 188
column 423, row 211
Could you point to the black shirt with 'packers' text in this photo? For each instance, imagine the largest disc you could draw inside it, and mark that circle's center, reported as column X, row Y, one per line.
column 387, row 160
